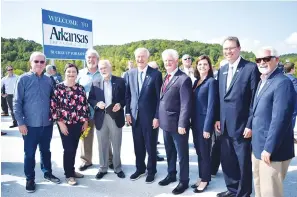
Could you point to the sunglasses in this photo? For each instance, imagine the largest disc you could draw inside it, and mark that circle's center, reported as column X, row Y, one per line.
column 9, row 69
column 41, row 62
column 265, row 59
column 187, row 58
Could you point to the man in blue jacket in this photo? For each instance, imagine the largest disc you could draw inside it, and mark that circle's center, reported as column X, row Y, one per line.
column 272, row 141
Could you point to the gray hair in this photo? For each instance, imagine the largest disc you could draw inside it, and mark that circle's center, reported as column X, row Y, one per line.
column 139, row 50
column 49, row 68
column 93, row 52
column 272, row 50
column 36, row 53
column 105, row 62
column 170, row 52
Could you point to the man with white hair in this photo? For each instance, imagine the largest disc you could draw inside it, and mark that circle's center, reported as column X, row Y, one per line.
column 272, row 141
column 32, row 108
column 187, row 67
column 85, row 78
column 49, row 71
column 174, row 114
column 142, row 104
column 107, row 97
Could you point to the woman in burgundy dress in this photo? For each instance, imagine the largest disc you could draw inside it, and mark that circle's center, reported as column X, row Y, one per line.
column 69, row 108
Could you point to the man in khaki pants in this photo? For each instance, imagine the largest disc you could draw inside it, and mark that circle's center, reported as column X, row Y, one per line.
column 272, row 140
column 85, row 78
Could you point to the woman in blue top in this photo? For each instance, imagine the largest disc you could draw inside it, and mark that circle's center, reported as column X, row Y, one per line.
column 203, row 118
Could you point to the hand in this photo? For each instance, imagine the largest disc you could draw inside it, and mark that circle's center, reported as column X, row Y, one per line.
column 4, row 95
column 206, row 135
column 101, row 105
column 218, row 126
column 181, row 131
column 85, row 126
column 155, row 123
column 23, row 129
column 116, row 107
column 129, row 119
column 265, row 156
column 247, row 133
column 63, row 128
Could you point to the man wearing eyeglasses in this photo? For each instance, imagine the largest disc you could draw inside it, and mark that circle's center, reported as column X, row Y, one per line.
column 238, row 81
column 9, row 82
column 272, row 142
column 187, row 67
column 31, row 107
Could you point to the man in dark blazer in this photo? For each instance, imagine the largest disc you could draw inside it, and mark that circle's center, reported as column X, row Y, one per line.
column 272, row 142
column 142, row 103
column 174, row 115
column 238, row 82
column 107, row 97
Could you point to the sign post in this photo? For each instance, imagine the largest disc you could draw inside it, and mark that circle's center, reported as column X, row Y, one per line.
column 66, row 37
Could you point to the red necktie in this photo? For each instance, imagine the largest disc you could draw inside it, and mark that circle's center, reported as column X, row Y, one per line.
column 166, row 82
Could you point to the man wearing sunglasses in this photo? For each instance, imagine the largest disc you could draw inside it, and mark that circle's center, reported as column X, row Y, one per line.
column 272, row 142
column 238, row 80
column 187, row 67
column 32, row 108
column 9, row 82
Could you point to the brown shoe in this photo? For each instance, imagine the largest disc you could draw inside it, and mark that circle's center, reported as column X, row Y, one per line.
column 71, row 181
column 78, row 175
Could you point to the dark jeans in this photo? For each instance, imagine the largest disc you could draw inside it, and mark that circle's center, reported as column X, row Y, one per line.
column 37, row 136
column 9, row 99
column 4, row 106
column 70, row 143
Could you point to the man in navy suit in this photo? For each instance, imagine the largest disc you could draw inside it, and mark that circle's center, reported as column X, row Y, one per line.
column 272, row 142
column 238, row 82
column 142, row 103
column 174, row 115
column 107, row 97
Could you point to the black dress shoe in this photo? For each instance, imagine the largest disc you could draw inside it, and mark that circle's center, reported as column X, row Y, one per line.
column 13, row 125
column 194, row 186
column 136, row 175
column 150, row 178
column 226, row 194
column 180, row 188
column 167, row 180
column 3, row 133
column 111, row 166
column 196, row 190
column 84, row 167
column 121, row 174
column 100, row 175
column 160, row 158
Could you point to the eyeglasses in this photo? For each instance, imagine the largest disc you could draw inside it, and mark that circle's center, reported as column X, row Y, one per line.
column 41, row 62
column 265, row 59
column 187, row 58
column 9, row 69
column 229, row 49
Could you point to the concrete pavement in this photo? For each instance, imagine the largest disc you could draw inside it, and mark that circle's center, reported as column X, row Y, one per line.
column 13, row 181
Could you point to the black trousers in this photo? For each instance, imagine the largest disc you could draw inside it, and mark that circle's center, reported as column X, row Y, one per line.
column 4, row 105
column 215, row 154
column 70, row 143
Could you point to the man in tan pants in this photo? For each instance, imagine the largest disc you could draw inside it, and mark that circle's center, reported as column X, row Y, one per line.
column 272, row 140
column 85, row 78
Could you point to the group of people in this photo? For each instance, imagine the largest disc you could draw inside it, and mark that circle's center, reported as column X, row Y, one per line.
column 251, row 107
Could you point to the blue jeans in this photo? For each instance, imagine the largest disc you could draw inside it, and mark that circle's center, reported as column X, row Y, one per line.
column 37, row 136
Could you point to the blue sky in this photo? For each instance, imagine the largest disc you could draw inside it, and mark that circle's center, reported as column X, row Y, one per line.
column 255, row 23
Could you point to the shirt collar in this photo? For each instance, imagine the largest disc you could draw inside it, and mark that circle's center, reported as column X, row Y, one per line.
column 144, row 70
column 173, row 72
column 235, row 64
column 265, row 77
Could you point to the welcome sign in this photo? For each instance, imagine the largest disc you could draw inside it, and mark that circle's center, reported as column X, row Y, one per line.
column 65, row 36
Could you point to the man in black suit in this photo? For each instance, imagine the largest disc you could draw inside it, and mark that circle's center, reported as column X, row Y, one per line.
column 107, row 97
column 142, row 103
column 174, row 115
column 238, row 82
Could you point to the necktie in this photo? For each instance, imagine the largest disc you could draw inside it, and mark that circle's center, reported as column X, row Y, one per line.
column 166, row 82
column 229, row 77
column 141, row 80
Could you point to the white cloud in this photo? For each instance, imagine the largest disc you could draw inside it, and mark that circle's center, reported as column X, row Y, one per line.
column 292, row 40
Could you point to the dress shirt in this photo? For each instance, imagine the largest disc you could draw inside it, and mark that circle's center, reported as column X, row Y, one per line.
column 31, row 104
column 264, row 80
column 140, row 83
column 9, row 83
column 86, row 79
column 172, row 74
column 107, row 88
column 235, row 65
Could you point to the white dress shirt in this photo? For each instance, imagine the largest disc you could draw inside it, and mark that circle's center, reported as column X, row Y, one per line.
column 172, row 74
column 107, row 88
column 140, row 83
column 9, row 83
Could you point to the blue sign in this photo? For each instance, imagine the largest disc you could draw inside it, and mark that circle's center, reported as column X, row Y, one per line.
column 65, row 36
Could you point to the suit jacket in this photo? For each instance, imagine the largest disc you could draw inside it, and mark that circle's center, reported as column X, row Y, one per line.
column 176, row 103
column 118, row 96
column 294, row 81
column 204, row 105
column 144, row 104
column 236, row 103
column 272, row 118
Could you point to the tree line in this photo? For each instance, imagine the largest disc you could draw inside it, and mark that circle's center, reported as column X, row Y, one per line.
column 17, row 52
